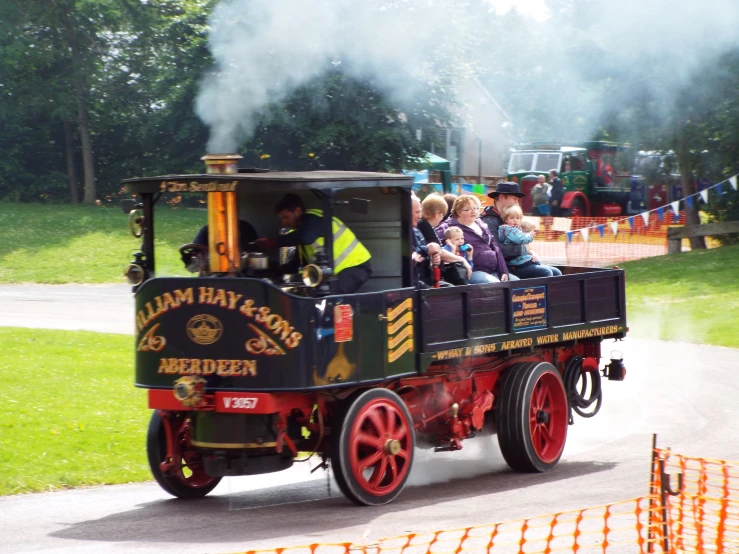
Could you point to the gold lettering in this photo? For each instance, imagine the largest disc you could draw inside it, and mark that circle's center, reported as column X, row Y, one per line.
column 209, row 367
column 262, row 315
column 233, row 298
column 150, row 313
column 163, row 366
column 235, row 367
column 222, row 368
column 182, row 297
column 293, row 340
column 248, row 308
column 220, row 298
column 250, row 367
column 195, row 366
column 206, row 295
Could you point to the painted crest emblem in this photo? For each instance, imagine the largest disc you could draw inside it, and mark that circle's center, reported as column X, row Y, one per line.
column 204, row 329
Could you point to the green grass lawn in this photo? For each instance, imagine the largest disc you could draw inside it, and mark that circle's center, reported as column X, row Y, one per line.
column 85, row 244
column 692, row 296
column 69, row 413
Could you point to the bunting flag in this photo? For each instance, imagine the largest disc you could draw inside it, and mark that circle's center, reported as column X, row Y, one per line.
column 645, row 217
column 720, row 189
column 601, row 228
column 569, row 235
column 585, row 233
column 732, row 180
column 614, row 228
column 676, row 217
column 676, row 207
column 704, row 195
column 660, row 213
column 631, row 222
column 689, row 201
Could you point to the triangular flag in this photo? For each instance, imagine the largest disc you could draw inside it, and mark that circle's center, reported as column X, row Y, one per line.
column 704, row 195
column 689, row 201
column 631, row 222
column 732, row 180
column 601, row 228
column 585, row 233
column 676, row 217
column 720, row 189
column 645, row 217
column 675, row 206
column 614, row 228
column 569, row 236
column 660, row 213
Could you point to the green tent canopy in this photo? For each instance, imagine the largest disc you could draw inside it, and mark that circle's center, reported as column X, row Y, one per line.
column 444, row 167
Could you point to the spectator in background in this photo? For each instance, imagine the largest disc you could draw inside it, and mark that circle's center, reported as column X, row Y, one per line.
column 540, row 197
column 556, row 194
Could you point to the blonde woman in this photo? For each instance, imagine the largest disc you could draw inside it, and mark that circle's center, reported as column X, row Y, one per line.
column 490, row 266
column 433, row 210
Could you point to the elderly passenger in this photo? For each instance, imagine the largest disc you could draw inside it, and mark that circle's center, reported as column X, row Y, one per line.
column 433, row 210
column 490, row 266
column 427, row 255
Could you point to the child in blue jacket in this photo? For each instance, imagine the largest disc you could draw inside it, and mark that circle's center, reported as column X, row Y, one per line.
column 525, row 266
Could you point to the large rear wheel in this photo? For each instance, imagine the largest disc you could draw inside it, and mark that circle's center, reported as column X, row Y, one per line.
column 532, row 417
column 372, row 449
column 181, row 475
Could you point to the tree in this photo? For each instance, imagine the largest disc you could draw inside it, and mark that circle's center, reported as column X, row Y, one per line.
column 339, row 122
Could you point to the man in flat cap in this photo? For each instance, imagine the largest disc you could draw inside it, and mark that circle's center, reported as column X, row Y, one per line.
column 505, row 194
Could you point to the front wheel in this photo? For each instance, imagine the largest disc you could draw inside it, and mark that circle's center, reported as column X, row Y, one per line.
column 532, row 417
column 183, row 474
column 577, row 209
column 372, row 450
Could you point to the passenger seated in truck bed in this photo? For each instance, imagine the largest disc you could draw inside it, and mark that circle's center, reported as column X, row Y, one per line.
column 428, row 255
column 490, row 266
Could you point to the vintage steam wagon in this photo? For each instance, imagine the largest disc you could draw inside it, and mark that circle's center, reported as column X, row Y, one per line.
column 248, row 369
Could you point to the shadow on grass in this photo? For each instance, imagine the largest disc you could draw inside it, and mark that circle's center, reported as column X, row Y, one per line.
column 270, row 513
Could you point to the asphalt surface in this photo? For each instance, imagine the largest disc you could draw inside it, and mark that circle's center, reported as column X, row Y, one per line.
column 683, row 392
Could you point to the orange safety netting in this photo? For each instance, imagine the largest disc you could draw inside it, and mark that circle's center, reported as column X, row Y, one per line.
column 622, row 526
column 697, row 512
column 601, row 241
column 704, row 514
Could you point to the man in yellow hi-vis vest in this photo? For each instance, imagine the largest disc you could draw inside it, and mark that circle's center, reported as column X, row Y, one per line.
column 351, row 259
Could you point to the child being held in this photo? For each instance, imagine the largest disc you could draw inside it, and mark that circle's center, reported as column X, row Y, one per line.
column 516, row 230
column 454, row 239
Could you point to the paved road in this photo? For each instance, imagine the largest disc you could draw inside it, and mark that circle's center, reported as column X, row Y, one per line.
column 103, row 308
column 683, row 392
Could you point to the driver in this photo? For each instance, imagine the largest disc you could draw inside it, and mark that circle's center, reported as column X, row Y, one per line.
column 351, row 259
column 247, row 234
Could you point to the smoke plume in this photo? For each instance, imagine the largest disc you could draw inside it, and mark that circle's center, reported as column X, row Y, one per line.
column 585, row 59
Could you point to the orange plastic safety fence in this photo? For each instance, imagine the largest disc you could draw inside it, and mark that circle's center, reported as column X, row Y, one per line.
column 619, row 527
column 703, row 515
column 599, row 241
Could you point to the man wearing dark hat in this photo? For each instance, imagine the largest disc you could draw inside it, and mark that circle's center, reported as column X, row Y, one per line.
column 505, row 194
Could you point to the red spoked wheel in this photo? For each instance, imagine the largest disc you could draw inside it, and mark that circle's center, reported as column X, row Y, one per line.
column 577, row 209
column 181, row 472
column 372, row 451
column 532, row 417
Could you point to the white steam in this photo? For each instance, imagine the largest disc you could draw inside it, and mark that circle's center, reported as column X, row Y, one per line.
column 585, row 65
column 266, row 49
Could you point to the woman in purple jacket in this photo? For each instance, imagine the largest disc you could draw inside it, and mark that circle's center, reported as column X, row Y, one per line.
column 488, row 260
